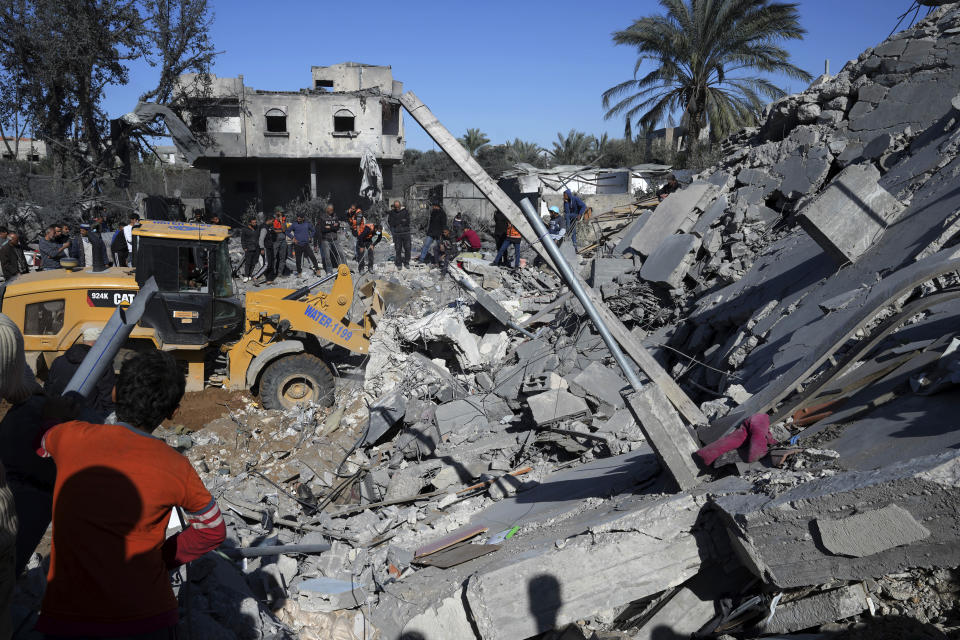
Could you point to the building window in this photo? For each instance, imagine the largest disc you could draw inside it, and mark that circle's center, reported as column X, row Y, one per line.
column 34, row 157
column 391, row 119
column 343, row 121
column 323, row 85
column 276, row 121
column 43, row 318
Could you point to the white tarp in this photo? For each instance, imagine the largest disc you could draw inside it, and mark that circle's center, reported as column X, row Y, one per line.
column 371, row 185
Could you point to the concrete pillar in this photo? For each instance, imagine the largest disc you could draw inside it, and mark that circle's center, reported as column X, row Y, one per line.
column 313, row 178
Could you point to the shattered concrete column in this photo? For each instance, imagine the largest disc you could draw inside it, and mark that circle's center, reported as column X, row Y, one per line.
column 666, row 433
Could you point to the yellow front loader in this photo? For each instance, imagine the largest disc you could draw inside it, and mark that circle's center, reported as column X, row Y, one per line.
column 275, row 341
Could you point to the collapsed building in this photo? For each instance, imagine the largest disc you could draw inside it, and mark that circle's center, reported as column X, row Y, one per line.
column 484, row 475
column 263, row 148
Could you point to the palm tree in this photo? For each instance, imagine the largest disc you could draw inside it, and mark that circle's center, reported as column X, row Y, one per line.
column 523, row 151
column 697, row 49
column 576, row 148
column 473, row 140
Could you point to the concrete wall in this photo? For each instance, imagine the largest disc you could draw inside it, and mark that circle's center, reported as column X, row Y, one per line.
column 25, row 149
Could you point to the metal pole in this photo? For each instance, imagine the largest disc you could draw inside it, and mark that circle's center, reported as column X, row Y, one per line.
column 577, row 287
column 112, row 337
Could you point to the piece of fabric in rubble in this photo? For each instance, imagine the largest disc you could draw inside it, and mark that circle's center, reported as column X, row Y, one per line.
column 756, row 428
column 371, row 184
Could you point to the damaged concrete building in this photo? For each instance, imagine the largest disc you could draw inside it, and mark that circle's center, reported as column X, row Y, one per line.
column 266, row 147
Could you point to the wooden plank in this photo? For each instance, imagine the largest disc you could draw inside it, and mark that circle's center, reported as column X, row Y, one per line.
column 448, row 541
column 446, row 140
column 666, row 433
column 456, row 555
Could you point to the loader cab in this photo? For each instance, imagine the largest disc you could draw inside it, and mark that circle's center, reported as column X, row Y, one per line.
column 191, row 265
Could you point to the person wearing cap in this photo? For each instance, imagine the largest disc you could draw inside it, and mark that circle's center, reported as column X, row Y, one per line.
column 556, row 227
column 469, row 240
column 17, row 386
column 457, row 225
column 64, row 366
column 115, row 487
column 671, row 186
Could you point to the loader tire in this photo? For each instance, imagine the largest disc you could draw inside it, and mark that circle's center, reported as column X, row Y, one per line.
column 297, row 379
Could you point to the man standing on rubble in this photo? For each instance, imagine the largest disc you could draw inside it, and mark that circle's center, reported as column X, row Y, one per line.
column 250, row 243
column 512, row 240
column 499, row 228
column 399, row 222
column 114, row 490
column 368, row 237
column 435, row 227
column 573, row 209
column 329, row 250
column 302, row 233
column 281, row 250
column 267, row 240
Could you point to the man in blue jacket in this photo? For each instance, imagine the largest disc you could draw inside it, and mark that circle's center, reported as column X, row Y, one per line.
column 573, row 209
column 302, row 233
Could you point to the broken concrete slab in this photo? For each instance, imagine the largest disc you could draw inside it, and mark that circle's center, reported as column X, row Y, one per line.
column 632, row 233
column 472, row 413
column 384, row 413
column 670, row 262
column 675, row 212
column 601, row 383
column 819, row 609
column 553, row 406
column 646, row 551
column 680, row 617
column 604, row 270
column 851, row 213
column 866, row 533
column 773, row 535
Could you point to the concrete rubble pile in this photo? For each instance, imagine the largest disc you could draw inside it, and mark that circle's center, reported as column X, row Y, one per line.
column 481, row 476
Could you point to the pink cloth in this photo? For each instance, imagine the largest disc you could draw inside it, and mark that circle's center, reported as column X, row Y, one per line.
column 756, row 427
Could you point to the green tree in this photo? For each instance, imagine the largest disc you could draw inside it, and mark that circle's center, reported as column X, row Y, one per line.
column 57, row 59
column 523, row 151
column 576, row 147
column 474, row 140
column 697, row 50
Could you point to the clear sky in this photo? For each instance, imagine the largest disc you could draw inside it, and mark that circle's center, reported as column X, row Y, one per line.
column 526, row 68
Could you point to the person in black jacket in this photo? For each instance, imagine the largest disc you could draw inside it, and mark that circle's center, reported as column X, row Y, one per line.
column 500, row 224
column 12, row 260
column 63, row 368
column 98, row 250
column 269, row 238
column 399, row 222
column 250, row 243
column 329, row 249
column 435, row 227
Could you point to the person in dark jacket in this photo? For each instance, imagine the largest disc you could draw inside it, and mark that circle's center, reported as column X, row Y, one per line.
column 444, row 251
column 75, row 250
column 63, row 368
column 329, row 248
column 12, row 260
column 269, row 257
column 250, row 243
column 302, row 233
column 499, row 228
column 399, row 222
column 52, row 251
column 435, row 227
column 368, row 236
column 670, row 187
column 573, row 209
column 458, row 225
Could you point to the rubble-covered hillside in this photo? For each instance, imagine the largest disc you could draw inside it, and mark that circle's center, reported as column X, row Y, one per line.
column 482, row 477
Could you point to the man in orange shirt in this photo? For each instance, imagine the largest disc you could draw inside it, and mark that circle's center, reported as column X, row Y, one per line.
column 116, row 485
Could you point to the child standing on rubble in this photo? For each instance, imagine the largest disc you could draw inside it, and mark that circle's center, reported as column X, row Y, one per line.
column 115, row 487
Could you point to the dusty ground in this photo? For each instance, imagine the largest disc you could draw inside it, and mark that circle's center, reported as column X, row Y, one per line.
column 199, row 409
